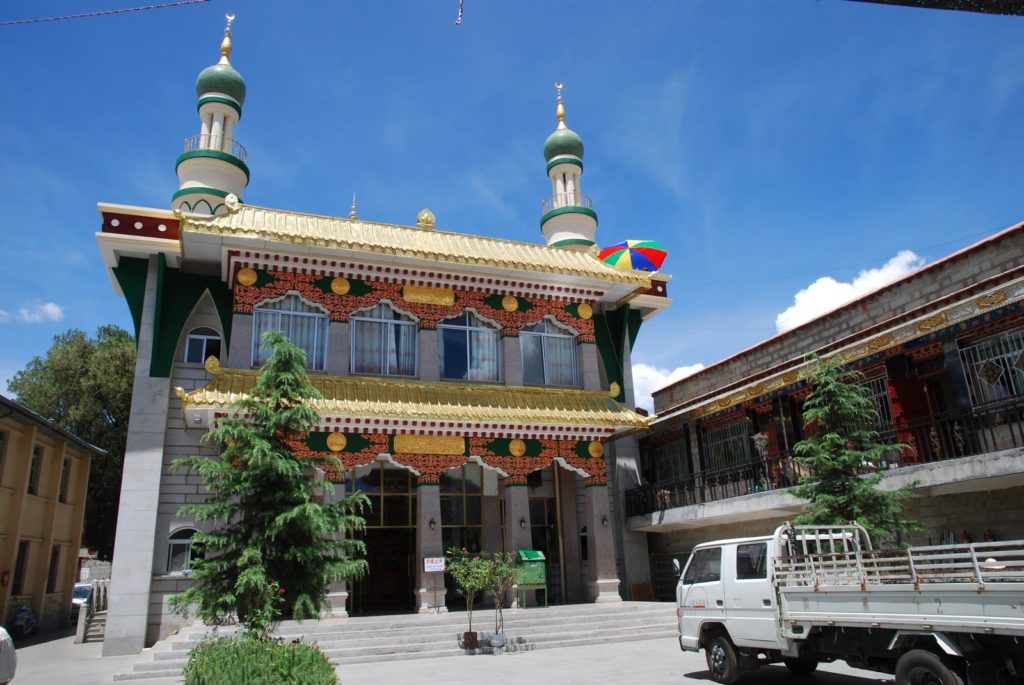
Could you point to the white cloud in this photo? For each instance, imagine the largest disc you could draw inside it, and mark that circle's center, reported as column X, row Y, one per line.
column 826, row 293
column 34, row 312
column 647, row 379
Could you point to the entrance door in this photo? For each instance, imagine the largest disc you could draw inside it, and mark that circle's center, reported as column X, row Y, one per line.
column 389, row 585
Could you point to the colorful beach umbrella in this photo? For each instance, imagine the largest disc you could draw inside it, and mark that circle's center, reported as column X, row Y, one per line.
column 643, row 255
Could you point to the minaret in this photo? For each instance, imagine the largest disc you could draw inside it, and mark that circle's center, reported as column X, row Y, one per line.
column 568, row 219
column 213, row 163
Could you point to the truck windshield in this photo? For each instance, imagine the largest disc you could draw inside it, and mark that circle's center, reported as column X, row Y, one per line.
column 705, row 566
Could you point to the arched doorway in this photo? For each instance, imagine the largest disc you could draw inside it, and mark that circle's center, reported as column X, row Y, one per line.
column 390, row 538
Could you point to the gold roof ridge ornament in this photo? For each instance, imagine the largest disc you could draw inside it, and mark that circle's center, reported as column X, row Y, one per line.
column 225, row 45
column 426, row 220
column 560, row 107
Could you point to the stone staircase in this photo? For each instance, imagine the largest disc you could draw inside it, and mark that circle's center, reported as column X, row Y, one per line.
column 389, row 638
column 96, row 627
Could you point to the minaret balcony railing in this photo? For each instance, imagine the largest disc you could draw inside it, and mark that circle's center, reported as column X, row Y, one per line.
column 211, row 141
column 559, row 200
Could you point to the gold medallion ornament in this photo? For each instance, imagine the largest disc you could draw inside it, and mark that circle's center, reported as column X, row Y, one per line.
column 595, row 449
column 246, row 276
column 614, row 389
column 585, row 310
column 336, row 442
column 509, row 303
column 340, row 286
column 517, row 448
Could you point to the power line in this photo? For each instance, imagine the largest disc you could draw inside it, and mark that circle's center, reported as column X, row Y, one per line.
column 101, row 13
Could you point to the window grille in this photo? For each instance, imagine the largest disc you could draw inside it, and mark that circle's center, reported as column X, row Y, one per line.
column 995, row 367
column 878, row 393
column 726, row 446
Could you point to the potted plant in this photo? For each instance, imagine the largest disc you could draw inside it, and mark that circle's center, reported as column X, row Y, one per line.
column 500, row 580
column 471, row 572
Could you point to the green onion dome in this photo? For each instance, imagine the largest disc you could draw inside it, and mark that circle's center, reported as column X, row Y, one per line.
column 221, row 78
column 563, row 142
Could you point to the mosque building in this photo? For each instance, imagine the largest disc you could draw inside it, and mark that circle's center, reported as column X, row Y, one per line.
column 478, row 390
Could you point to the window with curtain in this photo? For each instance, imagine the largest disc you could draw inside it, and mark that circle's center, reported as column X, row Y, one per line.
column 304, row 324
column 549, row 354
column 469, row 348
column 383, row 341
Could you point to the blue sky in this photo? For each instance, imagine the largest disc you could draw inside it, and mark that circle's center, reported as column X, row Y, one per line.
column 774, row 147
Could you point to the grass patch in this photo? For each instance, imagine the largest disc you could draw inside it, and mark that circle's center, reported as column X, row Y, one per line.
column 236, row 660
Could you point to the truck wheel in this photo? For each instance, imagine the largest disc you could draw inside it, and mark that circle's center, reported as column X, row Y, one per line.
column 920, row 667
column 801, row 666
column 723, row 661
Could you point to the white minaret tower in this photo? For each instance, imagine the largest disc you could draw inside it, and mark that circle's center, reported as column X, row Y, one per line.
column 568, row 219
column 213, row 163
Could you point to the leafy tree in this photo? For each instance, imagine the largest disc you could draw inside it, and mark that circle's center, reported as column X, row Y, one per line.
column 500, row 579
column 472, row 572
column 276, row 546
column 84, row 385
column 841, row 453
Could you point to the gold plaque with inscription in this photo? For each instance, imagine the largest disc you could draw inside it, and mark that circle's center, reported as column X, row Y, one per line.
column 429, row 444
column 246, row 276
column 336, row 442
column 425, row 294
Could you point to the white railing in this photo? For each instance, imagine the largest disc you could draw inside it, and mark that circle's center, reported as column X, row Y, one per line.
column 211, row 141
column 565, row 200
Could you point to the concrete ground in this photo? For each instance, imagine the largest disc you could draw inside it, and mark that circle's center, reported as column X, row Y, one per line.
column 58, row 661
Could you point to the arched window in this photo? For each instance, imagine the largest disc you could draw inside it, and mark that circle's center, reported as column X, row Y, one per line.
column 383, row 342
column 469, row 348
column 179, row 552
column 304, row 324
column 549, row 354
column 200, row 344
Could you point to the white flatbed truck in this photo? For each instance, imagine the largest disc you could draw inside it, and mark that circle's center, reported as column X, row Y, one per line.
column 936, row 615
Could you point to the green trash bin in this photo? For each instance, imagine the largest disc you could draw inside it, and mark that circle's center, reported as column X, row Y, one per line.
column 531, row 573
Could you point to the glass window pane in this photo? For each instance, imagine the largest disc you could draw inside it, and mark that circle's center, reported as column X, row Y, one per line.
column 194, row 350
column 454, row 354
column 533, row 359
column 396, row 510
column 538, row 509
column 367, row 339
column 474, row 477
column 473, row 510
column 396, row 479
column 452, row 512
column 559, row 360
column 451, row 481
column 212, row 348
column 367, row 478
column 401, row 349
column 483, row 355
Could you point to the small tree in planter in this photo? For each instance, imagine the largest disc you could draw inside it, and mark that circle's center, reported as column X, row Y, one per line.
column 500, row 580
column 472, row 573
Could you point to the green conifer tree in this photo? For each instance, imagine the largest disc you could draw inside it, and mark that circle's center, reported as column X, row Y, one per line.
column 277, row 541
column 842, row 454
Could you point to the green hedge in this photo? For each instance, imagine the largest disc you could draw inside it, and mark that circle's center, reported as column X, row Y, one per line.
column 231, row 661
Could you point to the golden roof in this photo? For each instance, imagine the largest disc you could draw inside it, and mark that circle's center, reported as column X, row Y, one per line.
column 362, row 396
column 248, row 221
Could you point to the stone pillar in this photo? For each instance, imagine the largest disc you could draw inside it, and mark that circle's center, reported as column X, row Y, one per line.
column 430, row 360
column 517, row 521
column 604, row 580
column 512, row 360
column 338, row 351
column 239, row 355
column 135, row 538
column 337, row 592
column 591, row 366
column 430, row 590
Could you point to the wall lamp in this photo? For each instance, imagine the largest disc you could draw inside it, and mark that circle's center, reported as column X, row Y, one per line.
column 432, row 524
column 604, row 521
column 522, row 523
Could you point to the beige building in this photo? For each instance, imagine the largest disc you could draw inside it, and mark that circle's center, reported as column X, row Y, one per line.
column 44, row 472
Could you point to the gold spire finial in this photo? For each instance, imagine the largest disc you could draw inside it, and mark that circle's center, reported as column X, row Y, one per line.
column 352, row 212
column 225, row 45
column 560, row 109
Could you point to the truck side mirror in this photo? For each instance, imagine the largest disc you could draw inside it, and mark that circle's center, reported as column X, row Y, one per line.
column 676, row 568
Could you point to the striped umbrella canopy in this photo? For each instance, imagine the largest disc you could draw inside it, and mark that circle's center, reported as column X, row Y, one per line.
column 642, row 255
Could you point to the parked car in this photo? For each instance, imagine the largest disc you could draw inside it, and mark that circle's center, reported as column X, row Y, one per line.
column 81, row 595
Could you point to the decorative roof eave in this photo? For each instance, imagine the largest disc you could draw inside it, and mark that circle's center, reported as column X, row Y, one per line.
column 374, row 404
column 390, row 240
column 929, row 322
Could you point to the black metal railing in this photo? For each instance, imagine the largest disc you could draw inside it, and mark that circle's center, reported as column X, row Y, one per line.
column 940, row 437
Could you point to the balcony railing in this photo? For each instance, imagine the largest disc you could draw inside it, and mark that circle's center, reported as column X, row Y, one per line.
column 209, row 141
column 930, row 439
column 559, row 200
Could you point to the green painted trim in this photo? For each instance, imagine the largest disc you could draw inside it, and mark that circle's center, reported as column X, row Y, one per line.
column 565, row 210
column 181, row 293
column 215, row 154
column 130, row 273
column 515, row 485
column 633, row 322
column 565, row 160
column 572, row 241
column 596, row 485
column 154, row 364
column 610, row 335
column 199, row 190
column 224, row 101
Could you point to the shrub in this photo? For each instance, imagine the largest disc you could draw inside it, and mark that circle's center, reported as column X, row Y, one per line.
column 234, row 660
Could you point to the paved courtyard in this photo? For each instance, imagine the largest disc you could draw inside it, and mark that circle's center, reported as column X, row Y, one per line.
column 652, row 662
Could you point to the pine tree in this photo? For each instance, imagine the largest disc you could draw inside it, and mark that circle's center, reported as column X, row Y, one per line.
column 841, row 453
column 276, row 545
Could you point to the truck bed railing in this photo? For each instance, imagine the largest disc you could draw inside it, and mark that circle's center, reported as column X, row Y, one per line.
column 980, row 563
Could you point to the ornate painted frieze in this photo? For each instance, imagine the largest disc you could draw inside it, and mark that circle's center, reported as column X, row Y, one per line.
column 431, row 305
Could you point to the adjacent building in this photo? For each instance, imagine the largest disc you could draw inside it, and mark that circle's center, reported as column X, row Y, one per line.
column 44, row 474
column 477, row 390
column 942, row 353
